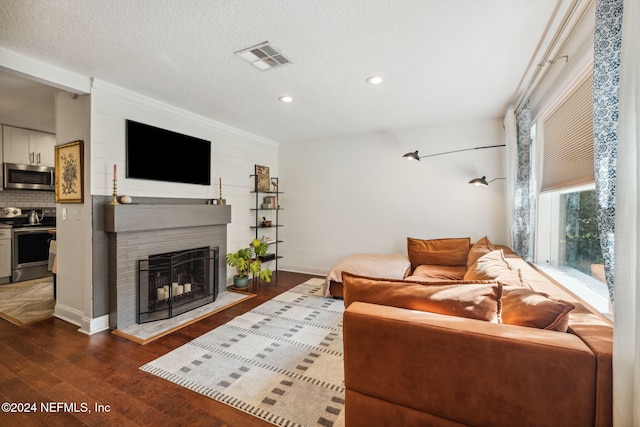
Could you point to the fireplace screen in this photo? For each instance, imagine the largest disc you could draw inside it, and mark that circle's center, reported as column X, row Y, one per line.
column 174, row 283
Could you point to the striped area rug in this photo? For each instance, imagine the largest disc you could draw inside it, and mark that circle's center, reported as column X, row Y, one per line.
column 281, row 361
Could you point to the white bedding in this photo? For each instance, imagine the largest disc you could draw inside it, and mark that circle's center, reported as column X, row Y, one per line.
column 384, row 266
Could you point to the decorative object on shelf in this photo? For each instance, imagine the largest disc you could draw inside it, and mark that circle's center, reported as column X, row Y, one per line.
column 70, row 172
column 267, row 257
column 482, row 182
column 114, row 201
column 125, row 200
column 246, row 265
column 274, row 184
column 271, row 202
column 262, row 178
column 221, row 201
column 416, row 156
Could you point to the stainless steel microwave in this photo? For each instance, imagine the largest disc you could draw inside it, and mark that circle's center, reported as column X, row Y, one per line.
column 28, row 177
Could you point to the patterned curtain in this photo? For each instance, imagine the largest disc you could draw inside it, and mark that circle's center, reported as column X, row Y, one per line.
column 606, row 81
column 522, row 216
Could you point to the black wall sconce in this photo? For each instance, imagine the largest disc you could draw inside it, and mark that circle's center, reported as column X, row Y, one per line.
column 415, row 156
column 482, row 182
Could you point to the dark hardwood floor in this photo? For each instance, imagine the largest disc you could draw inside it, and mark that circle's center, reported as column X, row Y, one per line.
column 51, row 362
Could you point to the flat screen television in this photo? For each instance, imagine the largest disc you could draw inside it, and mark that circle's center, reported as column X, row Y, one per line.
column 162, row 155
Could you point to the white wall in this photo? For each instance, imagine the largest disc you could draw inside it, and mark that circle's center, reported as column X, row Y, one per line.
column 357, row 194
column 234, row 154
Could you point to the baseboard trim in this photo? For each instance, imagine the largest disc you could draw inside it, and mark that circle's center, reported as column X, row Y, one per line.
column 92, row 326
column 68, row 314
column 305, row 269
column 86, row 325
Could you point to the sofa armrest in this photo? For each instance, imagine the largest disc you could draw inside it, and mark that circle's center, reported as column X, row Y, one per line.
column 464, row 370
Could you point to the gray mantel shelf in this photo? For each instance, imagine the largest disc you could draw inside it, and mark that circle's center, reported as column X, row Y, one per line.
column 128, row 218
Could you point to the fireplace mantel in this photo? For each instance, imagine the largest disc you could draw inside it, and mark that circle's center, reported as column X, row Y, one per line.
column 128, row 218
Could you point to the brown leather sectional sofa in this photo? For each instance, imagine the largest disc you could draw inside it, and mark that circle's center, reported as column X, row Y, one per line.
column 514, row 349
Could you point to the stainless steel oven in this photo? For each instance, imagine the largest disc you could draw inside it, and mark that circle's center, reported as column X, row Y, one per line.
column 30, row 252
column 30, row 240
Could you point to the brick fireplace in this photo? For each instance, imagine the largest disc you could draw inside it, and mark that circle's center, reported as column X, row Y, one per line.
column 137, row 232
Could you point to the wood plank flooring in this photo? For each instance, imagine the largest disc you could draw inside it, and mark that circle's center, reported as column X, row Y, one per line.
column 51, row 363
column 26, row 302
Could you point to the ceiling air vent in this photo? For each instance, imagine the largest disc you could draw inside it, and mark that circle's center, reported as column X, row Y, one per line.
column 263, row 56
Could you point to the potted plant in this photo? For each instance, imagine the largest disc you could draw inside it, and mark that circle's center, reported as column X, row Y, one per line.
column 246, row 265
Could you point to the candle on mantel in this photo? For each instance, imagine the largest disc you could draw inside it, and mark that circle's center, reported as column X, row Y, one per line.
column 114, row 172
column 220, row 185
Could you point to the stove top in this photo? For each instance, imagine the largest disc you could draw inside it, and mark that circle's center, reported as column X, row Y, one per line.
column 19, row 217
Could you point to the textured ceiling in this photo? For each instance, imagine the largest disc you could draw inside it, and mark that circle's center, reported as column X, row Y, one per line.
column 442, row 60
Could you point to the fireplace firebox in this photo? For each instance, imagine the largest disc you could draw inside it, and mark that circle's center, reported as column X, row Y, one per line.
column 173, row 283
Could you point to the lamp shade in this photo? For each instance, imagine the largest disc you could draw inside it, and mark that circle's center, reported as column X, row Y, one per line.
column 412, row 156
column 480, row 182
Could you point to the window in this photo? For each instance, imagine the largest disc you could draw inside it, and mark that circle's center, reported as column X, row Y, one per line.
column 579, row 242
column 568, row 245
column 567, row 242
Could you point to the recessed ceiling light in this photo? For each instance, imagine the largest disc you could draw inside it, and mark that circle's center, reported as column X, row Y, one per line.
column 375, row 80
column 286, row 99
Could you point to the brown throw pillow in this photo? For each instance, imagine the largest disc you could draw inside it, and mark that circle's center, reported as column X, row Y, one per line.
column 438, row 251
column 473, row 300
column 525, row 307
column 436, row 273
column 493, row 266
column 480, row 248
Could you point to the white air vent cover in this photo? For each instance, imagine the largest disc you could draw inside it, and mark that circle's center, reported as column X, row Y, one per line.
column 263, row 56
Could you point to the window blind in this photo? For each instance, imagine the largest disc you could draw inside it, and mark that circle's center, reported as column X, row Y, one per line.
column 567, row 157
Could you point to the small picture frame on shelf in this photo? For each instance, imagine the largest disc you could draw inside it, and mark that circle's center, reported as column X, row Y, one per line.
column 263, row 182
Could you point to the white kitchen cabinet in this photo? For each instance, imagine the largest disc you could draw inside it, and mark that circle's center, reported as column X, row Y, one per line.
column 45, row 149
column 5, row 253
column 28, row 147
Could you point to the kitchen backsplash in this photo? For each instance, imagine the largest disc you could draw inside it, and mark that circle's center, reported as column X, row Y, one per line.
column 27, row 199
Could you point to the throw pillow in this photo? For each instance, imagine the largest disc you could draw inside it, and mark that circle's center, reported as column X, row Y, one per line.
column 525, row 307
column 480, row 248
column 494, row 266
column 452, row 251
column 430, row 273
column 473, row 300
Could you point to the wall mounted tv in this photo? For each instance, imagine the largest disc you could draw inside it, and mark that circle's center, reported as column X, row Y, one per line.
column 162, row 155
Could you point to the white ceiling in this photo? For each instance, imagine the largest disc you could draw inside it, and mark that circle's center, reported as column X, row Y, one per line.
column 442, row 60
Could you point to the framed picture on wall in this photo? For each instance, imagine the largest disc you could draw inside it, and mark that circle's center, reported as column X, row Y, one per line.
column 262, row 178
column 70, row 172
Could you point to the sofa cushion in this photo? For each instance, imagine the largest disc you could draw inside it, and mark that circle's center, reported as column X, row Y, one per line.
column 480, row 248
column 494, row 266
column 436, row 273
column 438, row 251
column 488, row 266
column 525, row 307
column 473, row 300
